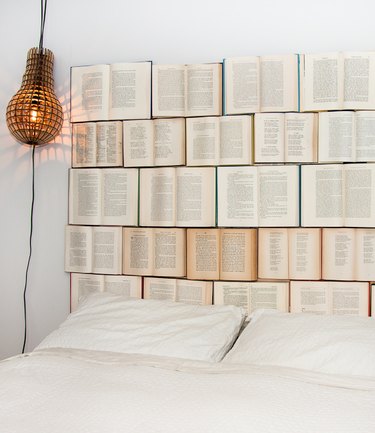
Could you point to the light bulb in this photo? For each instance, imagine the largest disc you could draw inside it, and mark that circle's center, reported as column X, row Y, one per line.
column 34, row 114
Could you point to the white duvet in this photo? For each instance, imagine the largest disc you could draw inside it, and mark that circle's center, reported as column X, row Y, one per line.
column 75, row 391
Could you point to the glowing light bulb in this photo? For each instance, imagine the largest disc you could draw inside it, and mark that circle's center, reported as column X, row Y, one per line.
column 33, row 115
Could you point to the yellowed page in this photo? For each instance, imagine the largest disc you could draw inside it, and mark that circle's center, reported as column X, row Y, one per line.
column 238, row 254
column 169, row 252
column 203, row 254
column 138, row 251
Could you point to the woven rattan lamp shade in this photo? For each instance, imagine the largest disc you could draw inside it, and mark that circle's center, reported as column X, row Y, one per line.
column 34, row 114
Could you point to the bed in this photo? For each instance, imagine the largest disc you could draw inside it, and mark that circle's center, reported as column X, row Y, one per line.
column 118, row 365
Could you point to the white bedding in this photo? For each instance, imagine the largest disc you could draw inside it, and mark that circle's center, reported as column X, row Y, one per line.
column 77, row 391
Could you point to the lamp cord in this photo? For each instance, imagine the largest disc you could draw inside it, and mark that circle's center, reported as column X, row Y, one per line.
column 30, row 247
column 43, row 12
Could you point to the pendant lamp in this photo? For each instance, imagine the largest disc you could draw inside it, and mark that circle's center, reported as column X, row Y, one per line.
column 34, row 115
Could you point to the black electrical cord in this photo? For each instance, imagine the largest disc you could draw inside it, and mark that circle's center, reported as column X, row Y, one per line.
column 43, row 12
column 30, row 246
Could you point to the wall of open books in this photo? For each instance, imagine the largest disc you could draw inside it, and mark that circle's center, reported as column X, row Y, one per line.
column 248, row 182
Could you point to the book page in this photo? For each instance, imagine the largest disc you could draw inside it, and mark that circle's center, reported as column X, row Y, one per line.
column 359, row 187
column 89, row 93
column 323, row 82
column 78, row 249
column 82, row 285
column 168, row 90
column 350, row 298
column 203, row 254
column 359, row 86
column 169, row 141
column 138, row 143
column 270, row 295
column 236, row 138
column 85, row 284
column 159, row 186
column 365, row 136
column 232, row 293
column 269, row 137
column 159, row 288
column 202, row 141
column 194, row 292
column 128, row 286
column 85, row 196
column 196, row 192
column 109, row 144
column 336, row 137
column 304, row 253
column 169, row 252
column 322, row 195
column 107, row 250
column 279, row 83
column 310, row 297
column 203, row 90
column 252, row 296
column 120, row 196
column 138, row 251
column 238, row 259
column 273, row 253
column 84, row 144
column 130, row 91
column 237, row 192
column 301, row 137
column 278, row 196
column 338, row 253
column 365, row 255
column 241, row 85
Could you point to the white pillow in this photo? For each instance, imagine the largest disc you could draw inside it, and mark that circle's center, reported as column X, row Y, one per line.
column 104, row 321
column 328, row 344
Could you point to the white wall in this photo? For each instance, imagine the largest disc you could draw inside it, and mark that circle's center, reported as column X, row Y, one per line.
column 108, row 31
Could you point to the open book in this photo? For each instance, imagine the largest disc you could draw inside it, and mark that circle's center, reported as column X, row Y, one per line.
column 93, row 249
column 347, row 136
column 97, row 144
column 186, row 90
column 337, row 81
column 154, row 142
column 154, row 251
column 348, row 254
column 111, row 92
column 293, row 253
column 178, row 196
column 103, row 196
column 285, row 137
column 253, row 295
column 222, row 254
column 82, row 285
column 178, row 290
column 255, row 84
column 329, row 297
column 223, row 140
column 336, row 195
column 263, row 196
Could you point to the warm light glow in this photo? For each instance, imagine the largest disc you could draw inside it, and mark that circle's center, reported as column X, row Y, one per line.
column 33, row 115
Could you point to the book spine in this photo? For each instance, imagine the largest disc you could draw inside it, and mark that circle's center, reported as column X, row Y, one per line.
column 224, row 100
column 298, row 82
column 300, row 195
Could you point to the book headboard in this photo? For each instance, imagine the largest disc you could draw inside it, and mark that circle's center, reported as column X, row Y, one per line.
column 173, row 200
